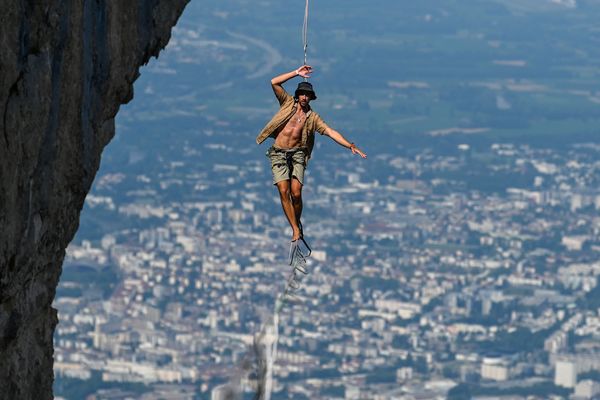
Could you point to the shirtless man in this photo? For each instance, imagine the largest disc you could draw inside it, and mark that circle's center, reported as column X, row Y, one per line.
column 293, row 129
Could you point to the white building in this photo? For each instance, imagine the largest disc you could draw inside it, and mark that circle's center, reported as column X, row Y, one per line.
column 565, row 374
column 223, row 392
column 352, row 392
column 587, row 389
column 404, row 309
column 495, row 368
column 574, row 243
column 404, row 374
column 557, row 342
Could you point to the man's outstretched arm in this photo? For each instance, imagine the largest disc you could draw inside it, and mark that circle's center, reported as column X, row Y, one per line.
column 338, row 138
column 303, row 71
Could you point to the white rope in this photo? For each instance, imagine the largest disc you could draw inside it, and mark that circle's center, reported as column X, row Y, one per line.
column 305, row 35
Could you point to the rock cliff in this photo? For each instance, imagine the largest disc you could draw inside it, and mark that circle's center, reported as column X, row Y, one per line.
column 65, row 68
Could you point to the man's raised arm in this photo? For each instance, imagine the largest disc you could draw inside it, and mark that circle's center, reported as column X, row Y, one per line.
column 304, row 71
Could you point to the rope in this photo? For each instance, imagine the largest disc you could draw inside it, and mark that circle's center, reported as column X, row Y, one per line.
column 305, row 35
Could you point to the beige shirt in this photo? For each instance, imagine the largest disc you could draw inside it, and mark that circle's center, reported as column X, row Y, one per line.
column 287, row 109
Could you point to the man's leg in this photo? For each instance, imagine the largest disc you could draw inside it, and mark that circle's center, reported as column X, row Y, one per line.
column 288, row 207
column 297, row 198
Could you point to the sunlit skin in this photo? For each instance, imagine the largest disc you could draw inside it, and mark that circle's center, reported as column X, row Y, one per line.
column 290, row 136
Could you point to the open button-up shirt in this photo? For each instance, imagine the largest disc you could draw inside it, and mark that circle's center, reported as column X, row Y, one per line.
column 287, row 109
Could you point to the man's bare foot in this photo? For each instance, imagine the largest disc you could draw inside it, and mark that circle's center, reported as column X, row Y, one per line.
column 297, row 235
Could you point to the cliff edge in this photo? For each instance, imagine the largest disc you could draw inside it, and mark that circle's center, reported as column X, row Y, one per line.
column 66, row 66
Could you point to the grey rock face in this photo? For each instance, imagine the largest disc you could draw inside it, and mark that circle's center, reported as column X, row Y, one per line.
column 66, row 66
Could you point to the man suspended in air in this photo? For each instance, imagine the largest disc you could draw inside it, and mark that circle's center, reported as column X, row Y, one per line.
column 293, row 128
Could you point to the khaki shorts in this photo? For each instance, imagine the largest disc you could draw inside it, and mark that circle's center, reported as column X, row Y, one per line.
column 287, row 163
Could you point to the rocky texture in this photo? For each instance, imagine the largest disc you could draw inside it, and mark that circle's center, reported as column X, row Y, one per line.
column 65, row 68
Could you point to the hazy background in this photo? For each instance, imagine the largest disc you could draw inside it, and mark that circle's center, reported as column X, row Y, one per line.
column 431, row 91
column 390, row 75
column 508, row 68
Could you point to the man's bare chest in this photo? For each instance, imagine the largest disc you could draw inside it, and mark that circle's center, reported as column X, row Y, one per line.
column 295, row 124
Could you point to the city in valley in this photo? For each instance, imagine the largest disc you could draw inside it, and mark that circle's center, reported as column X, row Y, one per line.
column 460, row 260
column 420, row 281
